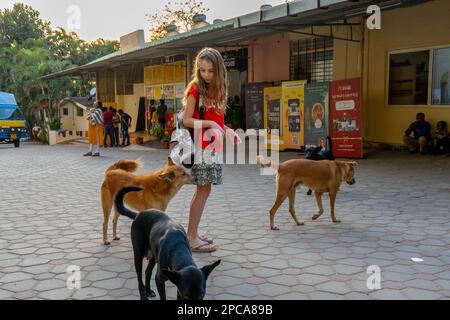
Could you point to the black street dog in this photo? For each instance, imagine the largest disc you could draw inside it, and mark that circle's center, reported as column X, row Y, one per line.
column 164, row 242
column 316, row 153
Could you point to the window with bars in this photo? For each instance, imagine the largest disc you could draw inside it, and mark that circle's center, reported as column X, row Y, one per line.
column 312, row 59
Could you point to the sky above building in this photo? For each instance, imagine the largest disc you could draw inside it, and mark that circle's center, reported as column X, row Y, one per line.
column 112, row 19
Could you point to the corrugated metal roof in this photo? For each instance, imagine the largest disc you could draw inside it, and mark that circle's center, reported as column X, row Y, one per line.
column 157, row 44
column 108, row 56
column 192, row 33
column 169, row 39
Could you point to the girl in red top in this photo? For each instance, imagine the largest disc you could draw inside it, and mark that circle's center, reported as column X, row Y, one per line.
column 207, row 91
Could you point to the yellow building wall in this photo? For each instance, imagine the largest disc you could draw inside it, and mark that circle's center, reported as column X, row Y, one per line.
column 130, row 103
column 347, row 62
column 421, row 26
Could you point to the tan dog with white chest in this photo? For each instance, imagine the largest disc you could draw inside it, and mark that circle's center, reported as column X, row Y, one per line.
column 320, row 176
column 159, row 187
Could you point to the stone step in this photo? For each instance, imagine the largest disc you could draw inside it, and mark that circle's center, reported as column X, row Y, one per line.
column 80, row 142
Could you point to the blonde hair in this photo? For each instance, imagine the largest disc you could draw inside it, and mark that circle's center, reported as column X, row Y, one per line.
column 216, row 93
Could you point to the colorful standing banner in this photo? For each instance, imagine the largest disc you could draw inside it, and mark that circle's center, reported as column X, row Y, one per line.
column 254, row 105
column 346, row 119
column 293, row 97
column 316, row 114
column 273, row 118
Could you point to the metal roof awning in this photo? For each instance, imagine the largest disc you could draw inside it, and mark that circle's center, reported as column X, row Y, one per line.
column 297, row 15
column 287, row 17
column 159, row 48
column 81, row 102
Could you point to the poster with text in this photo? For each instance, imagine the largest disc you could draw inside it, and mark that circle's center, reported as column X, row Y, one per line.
column 149, row 92
column 273, row 119
column 346, row 119
column 293, row 102
column 169, row 91
column 179, row 91
column 316, row 114
column 157, row 92
column 254, row 105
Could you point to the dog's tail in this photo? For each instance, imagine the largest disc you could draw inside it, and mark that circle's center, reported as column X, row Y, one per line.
column 263, row 163
column 119, row 202
column 126, row 165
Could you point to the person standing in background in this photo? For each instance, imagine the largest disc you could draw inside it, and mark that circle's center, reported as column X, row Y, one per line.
column 95, row 129
column 116, row 123
column 151, row 108
column 125, row 123
column 109, row 127
column 162, row 110
column 36, row 131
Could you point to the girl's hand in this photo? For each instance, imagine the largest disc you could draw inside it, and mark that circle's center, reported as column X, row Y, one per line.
column 233, row 136
column 215, row 126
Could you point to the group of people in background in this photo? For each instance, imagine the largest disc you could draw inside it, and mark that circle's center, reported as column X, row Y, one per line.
column 104, row 123
column 112, row 119
column 421, row 139
column 157, row 114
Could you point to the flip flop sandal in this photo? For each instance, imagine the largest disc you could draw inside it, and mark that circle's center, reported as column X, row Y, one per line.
column 206, row 239
column 203, row 247
column 96, row 154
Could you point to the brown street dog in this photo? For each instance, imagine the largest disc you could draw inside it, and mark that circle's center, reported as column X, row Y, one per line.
column 319, row 176
column 159, row 187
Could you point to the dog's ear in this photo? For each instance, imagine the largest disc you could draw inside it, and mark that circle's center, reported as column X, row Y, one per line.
column 170, row 162
column 352, row 163
column 209, row 268
column 168, row 176
column 173, row 276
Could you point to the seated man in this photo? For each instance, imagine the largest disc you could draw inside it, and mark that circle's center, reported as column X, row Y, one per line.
column 421, row 131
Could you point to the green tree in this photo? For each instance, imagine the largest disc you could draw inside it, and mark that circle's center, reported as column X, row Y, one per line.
column 20, row 23
column 63, row 45
column 30, row 49
column 178, row 13
column 98, row 48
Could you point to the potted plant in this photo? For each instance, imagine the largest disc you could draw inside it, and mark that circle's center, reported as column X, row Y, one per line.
column 165, row 141
column 157, row 131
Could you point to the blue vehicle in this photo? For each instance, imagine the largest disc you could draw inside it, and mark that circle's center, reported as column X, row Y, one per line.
column 13, row 127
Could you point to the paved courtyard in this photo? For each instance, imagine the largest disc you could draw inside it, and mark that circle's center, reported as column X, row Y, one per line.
column 399, row 209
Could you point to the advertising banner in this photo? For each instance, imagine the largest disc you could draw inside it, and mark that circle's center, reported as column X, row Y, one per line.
column 273, row 119
column 293, row 103
column 254, row 105
column 346, row 119
column 316, row 114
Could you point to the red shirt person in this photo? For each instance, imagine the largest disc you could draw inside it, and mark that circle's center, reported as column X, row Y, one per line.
column 209, row 139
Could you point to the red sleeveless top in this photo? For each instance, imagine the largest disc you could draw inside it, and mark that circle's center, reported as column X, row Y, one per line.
column 209, row 114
